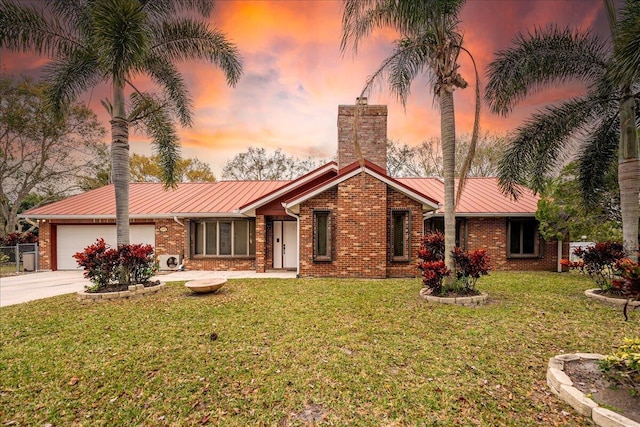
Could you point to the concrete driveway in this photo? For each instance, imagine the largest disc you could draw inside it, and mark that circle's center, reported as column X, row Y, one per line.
column 45, row 284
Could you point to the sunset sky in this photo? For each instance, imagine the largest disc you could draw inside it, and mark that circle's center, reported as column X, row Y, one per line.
column 295, row 76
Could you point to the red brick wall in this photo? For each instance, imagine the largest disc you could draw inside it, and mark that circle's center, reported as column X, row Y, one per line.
column 44, row 246
column 397, row 200
column 359, row 230
column 362, row 227
column 491, row 234
column 326, row 201
column 222, row 264
column 172, row 241
column 372, row 134
column 261, row 243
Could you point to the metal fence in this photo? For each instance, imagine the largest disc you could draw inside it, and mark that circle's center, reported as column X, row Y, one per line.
column 23, row 256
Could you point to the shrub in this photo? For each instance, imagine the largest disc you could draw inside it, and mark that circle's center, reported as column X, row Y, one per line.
column 100, row 263
column 138, row 260
column 470, row 266
column 13, row 239
column 598, row 262
column 128, row 264
column 623, row 367
column 434, row 270
column 629, row 286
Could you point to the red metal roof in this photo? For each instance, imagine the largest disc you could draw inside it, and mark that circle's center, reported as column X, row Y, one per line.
column 481, row 196
column 148, row 200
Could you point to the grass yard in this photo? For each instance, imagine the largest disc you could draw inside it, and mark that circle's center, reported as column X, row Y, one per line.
column 290, row 352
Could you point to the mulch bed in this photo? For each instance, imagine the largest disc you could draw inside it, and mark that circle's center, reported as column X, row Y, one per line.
column 589, row 379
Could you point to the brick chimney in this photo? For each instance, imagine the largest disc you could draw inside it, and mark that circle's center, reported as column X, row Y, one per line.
column 372, row 133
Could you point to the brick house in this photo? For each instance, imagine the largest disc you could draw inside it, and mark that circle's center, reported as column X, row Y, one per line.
column 344, row 219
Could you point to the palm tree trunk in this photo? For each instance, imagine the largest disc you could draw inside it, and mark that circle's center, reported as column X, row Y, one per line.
column 120, row 164
column 448, row 134
column 629, row 175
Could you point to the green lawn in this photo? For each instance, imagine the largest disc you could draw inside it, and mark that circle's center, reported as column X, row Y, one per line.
column 343, row 352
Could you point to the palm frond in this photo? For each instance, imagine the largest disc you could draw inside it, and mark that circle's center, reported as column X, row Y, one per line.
column 408, row 17
column 626, row 68
column 26, row 29
column 75, row 14
column 120, row 37
column 157, row 123
column 542, row 58
column 535, row 149
column 187, row 39
column 409, row 58
column 70, row 76
column 360, row 18
column 599, row 153
column 164, row 9
column 167, row 76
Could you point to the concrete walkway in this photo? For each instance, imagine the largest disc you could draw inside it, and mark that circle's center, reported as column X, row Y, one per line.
column 45, row 284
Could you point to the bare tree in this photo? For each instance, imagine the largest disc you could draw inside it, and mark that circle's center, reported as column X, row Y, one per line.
column 426, row 159
column 40, row 152
column 256, row 164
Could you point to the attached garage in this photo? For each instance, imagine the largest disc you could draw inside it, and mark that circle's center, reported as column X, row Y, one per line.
column 74, row 238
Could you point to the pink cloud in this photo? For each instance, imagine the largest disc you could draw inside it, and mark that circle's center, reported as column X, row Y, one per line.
column 295, row 76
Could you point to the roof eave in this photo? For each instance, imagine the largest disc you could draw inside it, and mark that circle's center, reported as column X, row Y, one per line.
column 488, row 214
column 288, row 187
column 427, row 204
column 141, row 216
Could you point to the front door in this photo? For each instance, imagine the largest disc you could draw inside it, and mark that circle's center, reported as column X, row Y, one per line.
column 285, row 244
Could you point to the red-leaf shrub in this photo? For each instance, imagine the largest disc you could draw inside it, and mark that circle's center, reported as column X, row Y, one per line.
column 13, row 239
column 470, row 266
column 598, row 262
column 138, row 261
column 128, row 264
column 431, row 253
column 100, row 263
column 629, row 286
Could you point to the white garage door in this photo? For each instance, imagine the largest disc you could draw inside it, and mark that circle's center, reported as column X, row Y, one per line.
column 74, row 238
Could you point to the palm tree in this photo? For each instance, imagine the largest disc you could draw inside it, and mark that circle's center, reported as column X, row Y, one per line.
column 114, row 42
column 603, row 119
column 430, row 44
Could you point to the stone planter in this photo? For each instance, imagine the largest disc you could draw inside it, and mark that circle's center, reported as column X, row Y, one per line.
column 134, row 291
column 462, row 301
column 562, row 386
column 593, row 293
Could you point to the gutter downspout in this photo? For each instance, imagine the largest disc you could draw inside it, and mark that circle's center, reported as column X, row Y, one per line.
column 291, row 214
column 175, row 218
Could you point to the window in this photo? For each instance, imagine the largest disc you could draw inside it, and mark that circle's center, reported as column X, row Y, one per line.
column 523, row 238
column 437, row 224
column 322, row 235
column 400, row 235
column 224, row 238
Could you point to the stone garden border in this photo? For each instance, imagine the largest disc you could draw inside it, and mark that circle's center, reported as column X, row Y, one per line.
column 592, row 293
column 134, row 291
column 562, row 386
column 462, row 301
